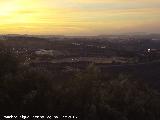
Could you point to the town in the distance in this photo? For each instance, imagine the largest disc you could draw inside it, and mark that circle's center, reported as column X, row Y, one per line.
column 102, row 49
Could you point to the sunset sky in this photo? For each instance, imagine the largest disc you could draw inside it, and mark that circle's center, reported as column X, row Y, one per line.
column 79, row 17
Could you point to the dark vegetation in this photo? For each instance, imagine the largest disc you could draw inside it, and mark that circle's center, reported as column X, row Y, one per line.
column 87, row 94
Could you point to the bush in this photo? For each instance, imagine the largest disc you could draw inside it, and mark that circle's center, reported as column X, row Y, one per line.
column 25, row 89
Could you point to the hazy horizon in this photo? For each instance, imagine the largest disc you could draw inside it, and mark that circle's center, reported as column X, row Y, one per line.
column 111, row 34
column 78, row 17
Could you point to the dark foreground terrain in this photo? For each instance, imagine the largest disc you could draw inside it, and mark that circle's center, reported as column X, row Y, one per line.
column 39, row 77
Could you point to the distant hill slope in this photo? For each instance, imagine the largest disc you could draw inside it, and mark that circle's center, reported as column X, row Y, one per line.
column 26, row 42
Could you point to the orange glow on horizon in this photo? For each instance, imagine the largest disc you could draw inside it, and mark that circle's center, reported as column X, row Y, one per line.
column 79, row 17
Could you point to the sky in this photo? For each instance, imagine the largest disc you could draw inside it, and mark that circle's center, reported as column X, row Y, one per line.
column 79, row 17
